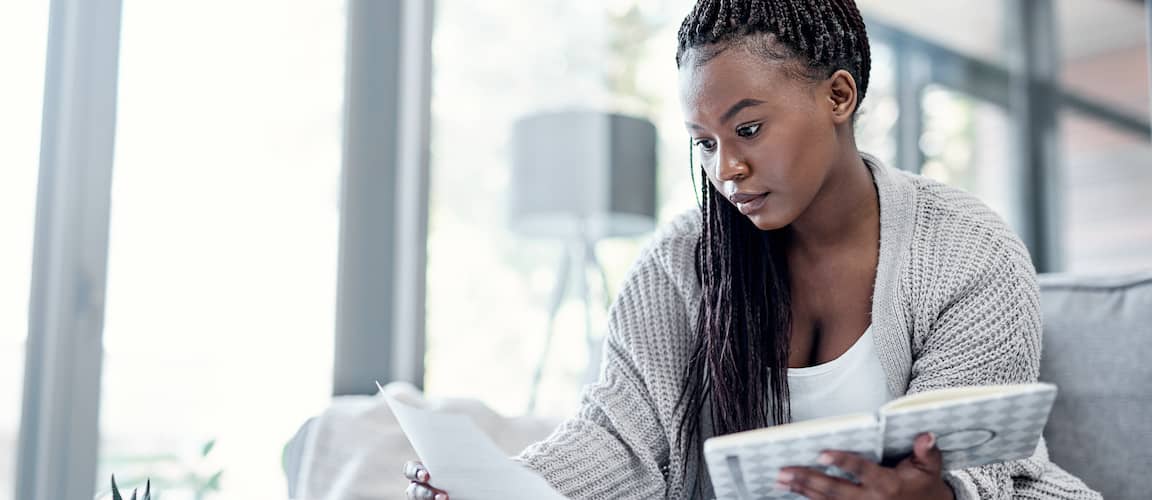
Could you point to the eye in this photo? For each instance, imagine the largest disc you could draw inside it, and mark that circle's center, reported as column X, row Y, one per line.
column 748, row 130
column 706, row 145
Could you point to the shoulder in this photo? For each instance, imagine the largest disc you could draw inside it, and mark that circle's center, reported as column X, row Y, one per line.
column 671, row 251
column 661, row 287
column 958, row 242
column 674, row 243
column 651, row 316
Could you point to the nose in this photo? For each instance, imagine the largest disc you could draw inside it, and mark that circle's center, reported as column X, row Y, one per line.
column 732, row 168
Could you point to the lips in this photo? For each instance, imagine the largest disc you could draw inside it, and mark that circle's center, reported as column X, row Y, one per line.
column 748, row 203
column 745, row 197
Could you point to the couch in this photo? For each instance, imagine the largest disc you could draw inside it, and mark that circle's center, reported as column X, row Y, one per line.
column 1097, row 349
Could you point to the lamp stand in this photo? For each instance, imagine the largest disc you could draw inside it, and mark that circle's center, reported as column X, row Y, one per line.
column 578, row 258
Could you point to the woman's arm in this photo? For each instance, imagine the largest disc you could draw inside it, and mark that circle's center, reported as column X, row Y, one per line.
column 617, row 445
column 989, row 332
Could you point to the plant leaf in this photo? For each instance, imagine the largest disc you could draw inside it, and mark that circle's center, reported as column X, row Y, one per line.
column 213, row 483
column 133, row 493
column 115, row 491
column 207, row 448
column 148, row 490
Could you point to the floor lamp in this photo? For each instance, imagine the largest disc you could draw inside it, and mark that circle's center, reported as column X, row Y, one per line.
column 581, row 176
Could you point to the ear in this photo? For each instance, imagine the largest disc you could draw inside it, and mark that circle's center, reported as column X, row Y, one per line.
column 842, row 96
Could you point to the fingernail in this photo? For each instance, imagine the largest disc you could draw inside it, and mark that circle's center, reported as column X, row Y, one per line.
column 422, row 475
column 931, row 439
column 441, row 496
column 784, row 477
column 824, row 459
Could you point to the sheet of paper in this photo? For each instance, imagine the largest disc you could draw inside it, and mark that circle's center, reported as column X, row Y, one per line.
column 463, row 461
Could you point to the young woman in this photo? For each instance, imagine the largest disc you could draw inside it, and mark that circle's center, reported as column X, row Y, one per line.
column 812, row 282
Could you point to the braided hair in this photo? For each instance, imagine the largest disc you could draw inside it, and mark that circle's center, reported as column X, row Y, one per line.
column 826, row 35
column 739, row 368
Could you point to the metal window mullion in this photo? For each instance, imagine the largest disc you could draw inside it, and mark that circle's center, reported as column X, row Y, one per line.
column 1034, row 65
column 413, row 171
column 990, row 82
column 384, row 196
column 59, row 430
column 912, row 76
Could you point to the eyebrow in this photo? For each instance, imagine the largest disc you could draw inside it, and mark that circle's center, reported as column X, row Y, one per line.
column 736, row 108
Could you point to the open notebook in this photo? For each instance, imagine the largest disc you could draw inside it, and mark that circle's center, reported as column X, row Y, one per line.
column 974, row 426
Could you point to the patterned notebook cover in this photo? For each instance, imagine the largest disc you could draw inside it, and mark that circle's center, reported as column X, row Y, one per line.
column 976, row 430
column 992, row 429
column 744, row 465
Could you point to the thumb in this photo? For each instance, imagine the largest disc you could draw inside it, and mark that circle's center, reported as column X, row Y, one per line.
column 925, row 454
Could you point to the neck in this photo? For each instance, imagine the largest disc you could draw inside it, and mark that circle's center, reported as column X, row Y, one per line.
column 844, row 211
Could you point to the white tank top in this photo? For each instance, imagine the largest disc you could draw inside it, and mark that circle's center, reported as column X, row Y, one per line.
column 852, row 383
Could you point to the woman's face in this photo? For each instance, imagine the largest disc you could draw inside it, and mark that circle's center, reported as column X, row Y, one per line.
column 766, row 138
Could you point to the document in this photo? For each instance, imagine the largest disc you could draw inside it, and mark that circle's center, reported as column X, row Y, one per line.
column 463, row 461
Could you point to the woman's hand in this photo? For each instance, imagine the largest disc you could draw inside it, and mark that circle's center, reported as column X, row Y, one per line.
column 915, row 477
column 419, row 487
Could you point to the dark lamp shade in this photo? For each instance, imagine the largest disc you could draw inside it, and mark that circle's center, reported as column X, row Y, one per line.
column 583, row 173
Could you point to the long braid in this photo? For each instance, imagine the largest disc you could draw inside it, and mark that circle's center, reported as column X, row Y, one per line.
column 740, row 363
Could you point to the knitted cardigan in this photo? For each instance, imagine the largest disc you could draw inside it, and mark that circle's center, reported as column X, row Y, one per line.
column 955, row 303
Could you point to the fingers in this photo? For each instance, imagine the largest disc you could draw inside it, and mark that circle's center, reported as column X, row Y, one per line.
column 420, row 491
column 415, row 471
column 864, row 470
column 925, row 455
column 418, row 488
column 814, row 484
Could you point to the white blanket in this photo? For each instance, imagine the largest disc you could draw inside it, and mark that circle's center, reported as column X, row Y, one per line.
column 355, row 450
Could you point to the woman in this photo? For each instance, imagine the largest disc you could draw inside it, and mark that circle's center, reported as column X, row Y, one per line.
column 804, row 254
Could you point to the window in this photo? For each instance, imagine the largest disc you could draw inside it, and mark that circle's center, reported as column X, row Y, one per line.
column 1104, row 157
column 1106, row 170
column 488, row 288
column 23, row 39
column 876, row 119
column 966, row 144
column 222, row 258
column 1106, row 178
column 970, row 27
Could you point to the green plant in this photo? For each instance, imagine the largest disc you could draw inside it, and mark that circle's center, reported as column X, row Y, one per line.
column 147, row 491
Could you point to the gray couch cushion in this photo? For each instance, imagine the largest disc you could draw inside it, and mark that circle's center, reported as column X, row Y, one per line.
column 1098, row 350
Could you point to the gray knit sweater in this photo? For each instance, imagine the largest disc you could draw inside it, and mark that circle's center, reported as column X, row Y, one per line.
column 955, row 303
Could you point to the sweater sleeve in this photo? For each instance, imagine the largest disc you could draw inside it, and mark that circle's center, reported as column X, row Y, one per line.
column 988, row 332
column 616, row 446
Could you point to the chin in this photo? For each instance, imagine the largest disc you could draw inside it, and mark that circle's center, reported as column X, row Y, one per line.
column 766, row 222
column 775, row 214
